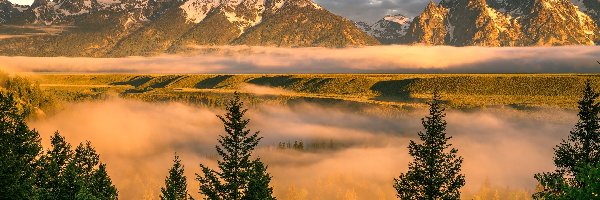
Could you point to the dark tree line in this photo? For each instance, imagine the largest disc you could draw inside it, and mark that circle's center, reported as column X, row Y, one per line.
column 239, row 176
column 435, row 172
column 577, row 159
column 64, row 172
column 176, row 183
column 26, row 172
column 299, row 146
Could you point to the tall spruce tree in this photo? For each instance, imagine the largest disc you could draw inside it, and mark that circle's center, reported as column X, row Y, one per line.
column 435, row 172
column 101, row 186
column 68, row 174
column 176, row 183
column 19, row 149
column 51, row 181
column 258, row 187
column 236, row 169
column 581, row 151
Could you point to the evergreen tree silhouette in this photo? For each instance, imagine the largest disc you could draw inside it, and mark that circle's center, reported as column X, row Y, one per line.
column 176, row 183
column 435, row 172
column 579, row 152
column 234, row 179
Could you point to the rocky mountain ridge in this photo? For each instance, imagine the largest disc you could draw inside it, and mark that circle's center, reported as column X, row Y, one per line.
column 149, row 27
column 500, row 23
column 113, row 28
column 388, row 30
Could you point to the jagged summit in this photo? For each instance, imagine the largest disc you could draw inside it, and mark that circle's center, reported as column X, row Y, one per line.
column 557, row 22
column 244, row 13
column 503, row 23
column 389, row 30
column 497, row 23
column 148, row 27
column 430, row 26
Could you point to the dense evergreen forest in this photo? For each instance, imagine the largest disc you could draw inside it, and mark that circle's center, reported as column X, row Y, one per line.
column 63, row 171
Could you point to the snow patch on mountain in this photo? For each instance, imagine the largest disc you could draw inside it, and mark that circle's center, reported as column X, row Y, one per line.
column 197, row 10
column 398, row 24
column 246, row 14
column 242, row 13
column 20, row 8
column 390, row 29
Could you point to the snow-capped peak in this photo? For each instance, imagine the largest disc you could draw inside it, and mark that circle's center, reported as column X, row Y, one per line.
column 242, row 13
column 399, row 19
column 390, row 29
column 197, row 10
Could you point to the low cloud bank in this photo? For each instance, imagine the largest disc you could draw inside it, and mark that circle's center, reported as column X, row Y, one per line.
column 137, row 141
column 377, row 59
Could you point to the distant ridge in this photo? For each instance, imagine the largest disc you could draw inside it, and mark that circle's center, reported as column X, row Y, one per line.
column 117, row 28
column 498, row 23
column 107, row 28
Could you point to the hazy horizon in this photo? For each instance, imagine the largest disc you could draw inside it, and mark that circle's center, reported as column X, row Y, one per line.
column 376, row 59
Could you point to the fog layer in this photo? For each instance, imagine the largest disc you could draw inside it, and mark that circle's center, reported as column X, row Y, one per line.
column 378, row 59
column 137, row 141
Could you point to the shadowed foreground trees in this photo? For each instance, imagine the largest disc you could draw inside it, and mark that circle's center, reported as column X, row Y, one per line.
column 19, row 149
column 60, row 173
column 435, row 172
column 67, row 174
column 240, row 177
column 577, row 159
column 176, row 183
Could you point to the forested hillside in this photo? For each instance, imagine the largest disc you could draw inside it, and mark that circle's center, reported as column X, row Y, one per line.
column 461, row 91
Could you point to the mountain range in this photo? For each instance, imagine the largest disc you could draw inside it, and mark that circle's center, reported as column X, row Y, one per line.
column 495, row 23
column 115, row 28
column 110, row 28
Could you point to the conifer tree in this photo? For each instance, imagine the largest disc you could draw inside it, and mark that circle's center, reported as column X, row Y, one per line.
column 258, row 187
column 176, row 183
column 19, row 149
column 68, row 174
column 590, row 175
column 52, row 182
column 580, row 151
column 435, row 172
column 93, row 173
column 101, row 185
column 236, row 168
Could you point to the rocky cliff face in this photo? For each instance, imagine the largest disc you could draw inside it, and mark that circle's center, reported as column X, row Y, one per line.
column 148, row 27
column 389, row 30
column 589, row 7
column 504, row 23
column 513, row 8
column 303, row 23
column 430, row 27
column 474, row 23
column 7, row 11
column 558, row 22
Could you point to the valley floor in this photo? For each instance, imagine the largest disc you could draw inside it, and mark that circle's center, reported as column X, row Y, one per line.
column 405, row 91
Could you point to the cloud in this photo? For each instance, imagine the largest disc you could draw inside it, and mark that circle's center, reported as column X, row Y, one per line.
column 368, row 149
column 377, row 59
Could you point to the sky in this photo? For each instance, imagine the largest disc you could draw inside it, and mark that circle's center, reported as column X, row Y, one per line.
column 357, row 10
